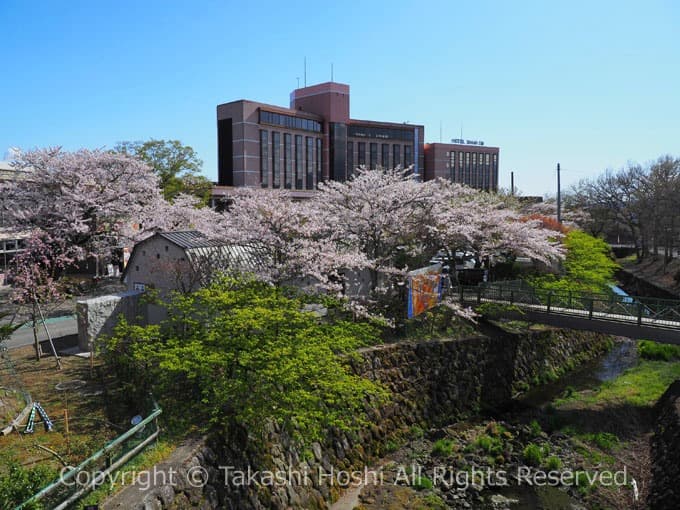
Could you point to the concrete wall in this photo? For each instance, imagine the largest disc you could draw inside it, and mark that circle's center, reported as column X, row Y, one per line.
column 432, row 383
column 98, row 316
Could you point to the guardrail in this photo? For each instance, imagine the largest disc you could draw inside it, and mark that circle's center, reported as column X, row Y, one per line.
column 71, row 486
column 662, row 313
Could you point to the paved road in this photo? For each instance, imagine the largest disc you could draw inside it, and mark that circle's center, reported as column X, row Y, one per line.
column 58, row 326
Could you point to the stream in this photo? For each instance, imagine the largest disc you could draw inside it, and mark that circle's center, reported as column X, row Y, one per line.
column 514, row 424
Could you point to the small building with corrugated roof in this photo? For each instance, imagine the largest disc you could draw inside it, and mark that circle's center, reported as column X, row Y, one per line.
column 184, row 261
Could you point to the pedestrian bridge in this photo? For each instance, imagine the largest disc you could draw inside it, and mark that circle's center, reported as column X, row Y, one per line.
column 630, row 316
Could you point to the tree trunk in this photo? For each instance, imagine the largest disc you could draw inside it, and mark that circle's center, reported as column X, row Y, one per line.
column 36, row 343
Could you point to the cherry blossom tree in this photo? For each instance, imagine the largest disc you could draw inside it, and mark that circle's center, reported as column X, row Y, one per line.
column 95, row 200
column 34, row 274
column 289, row 237
column 185, row 212
column 81, row 198
column 398, row 224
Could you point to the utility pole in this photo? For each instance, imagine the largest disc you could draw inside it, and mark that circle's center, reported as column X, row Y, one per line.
column 559, row 196
column 512, row 184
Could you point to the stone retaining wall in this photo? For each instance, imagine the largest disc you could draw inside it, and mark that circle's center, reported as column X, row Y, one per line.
column 664, row 493
column 432, row 382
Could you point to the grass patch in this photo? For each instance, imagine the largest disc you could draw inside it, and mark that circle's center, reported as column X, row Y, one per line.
column 533, row 455
column 604, row 440
column 489, row 445
column 656, row 351
column 535, row 429
column 442, row 448
column 422, row 483
column 640, row 386
column 432, row 502
column 553, row 463
column 145, row 460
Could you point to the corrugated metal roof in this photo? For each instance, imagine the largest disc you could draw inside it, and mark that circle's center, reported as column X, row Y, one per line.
column 190, row 239
column 228, row 257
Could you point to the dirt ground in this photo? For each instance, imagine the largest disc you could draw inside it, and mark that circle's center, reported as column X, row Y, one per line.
column 77, row 390
column 654, row 271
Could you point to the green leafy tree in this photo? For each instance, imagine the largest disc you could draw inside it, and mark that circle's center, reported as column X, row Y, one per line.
column 178, row 166
column 244, row 353
column 18, row 484
column 587, row 267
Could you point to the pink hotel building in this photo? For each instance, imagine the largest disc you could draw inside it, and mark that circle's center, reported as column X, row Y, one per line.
column 315, row 139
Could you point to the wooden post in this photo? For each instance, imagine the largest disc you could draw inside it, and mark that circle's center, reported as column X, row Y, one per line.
column 66, row 428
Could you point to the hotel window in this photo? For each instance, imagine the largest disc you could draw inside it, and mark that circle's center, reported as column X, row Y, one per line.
column 460, row 167
column 466, row 175
column 350, row 159
column 385, row 161
column 408, row 159
column 452, row 165
column 276, row 159
column 475, row 174
column 287, row 160
column 299, row 162
column 487, row 170
column 264, row 158
column 396, row 155
column 361, row 156
column 310, row 162
column 374, row 155
column 319, row 161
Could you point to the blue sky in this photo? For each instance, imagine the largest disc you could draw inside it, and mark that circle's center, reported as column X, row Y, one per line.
column 592, row 85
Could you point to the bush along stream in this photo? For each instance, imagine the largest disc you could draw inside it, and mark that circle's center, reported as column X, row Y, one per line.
column 579, row 442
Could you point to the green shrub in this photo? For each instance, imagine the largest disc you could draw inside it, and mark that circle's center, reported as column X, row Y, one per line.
column 20, row 483
column 391, row 446
column 533, row 455
column 496, row 310
column 535, row 428
column 490, row 445
column 604, row 440
column 442, row 448
column 422, row 482
column 416, row 432
column 656, row 351
column 553, row 463
column 433, row 502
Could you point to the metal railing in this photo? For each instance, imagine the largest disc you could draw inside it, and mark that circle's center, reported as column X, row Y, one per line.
column 653, row 312
column 72, row 485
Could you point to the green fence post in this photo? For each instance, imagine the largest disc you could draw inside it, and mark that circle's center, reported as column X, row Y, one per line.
column 591, row 303
column 549, row 301
column 569, row 302
column 479, row 295
column 639, row 314
column 512, row 296
column 461, row 293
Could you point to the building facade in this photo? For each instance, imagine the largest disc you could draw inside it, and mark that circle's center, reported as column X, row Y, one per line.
column 472, row 164
column 312, row 141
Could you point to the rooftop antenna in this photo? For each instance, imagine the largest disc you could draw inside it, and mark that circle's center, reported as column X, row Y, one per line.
column 461, row 130
column 305, row 71
column 331, row 71
column 440, row 131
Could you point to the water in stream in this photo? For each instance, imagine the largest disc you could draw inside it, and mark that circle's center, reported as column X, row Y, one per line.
column 622, row 356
